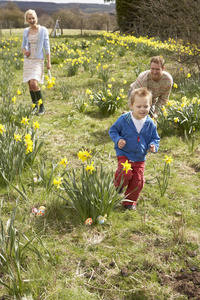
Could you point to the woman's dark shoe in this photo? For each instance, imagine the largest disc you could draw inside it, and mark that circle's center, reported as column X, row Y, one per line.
column 41, row 110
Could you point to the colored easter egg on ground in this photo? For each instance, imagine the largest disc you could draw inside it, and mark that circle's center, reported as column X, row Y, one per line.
column 88, row 221
column 42, row 207
column 40, row 213
column 34, row 210
column 100, row 220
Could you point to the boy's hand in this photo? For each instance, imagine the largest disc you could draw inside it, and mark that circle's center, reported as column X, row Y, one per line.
column 152, row 148
column 121, row 143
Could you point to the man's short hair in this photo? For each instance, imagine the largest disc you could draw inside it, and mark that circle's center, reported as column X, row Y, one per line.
column 158, row 60
column 141, row 92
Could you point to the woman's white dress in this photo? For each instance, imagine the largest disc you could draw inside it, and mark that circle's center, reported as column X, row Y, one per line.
column 33, row 67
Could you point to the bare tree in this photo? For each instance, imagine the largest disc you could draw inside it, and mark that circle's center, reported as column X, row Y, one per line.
column 70, row 18
column 97, row 21
column 46, row 20
column 11, row 15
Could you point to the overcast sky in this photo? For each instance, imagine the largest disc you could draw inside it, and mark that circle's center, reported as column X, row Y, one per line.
column 69, row 1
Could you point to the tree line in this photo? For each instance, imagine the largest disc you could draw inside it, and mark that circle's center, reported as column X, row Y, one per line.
column 12, row 16
column 160, row 18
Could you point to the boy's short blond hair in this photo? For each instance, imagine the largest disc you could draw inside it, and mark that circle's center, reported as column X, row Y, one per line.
column 141, row 92
column 30, row 12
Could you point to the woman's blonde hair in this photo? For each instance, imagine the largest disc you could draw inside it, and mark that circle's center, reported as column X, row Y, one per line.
column 30, row 12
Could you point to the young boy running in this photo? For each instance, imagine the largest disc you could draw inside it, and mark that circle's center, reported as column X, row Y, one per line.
column 134, row 133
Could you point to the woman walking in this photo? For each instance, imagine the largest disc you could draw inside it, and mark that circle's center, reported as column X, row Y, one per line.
column 35, row 42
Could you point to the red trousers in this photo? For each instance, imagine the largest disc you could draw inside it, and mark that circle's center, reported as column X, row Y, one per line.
column 134, row 179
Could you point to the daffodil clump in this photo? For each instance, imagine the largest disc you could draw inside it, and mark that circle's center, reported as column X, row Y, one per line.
column 75, row 55
column 18, row 60
column 108, row 100
column 146, row 43
column 180, row 116
column 105, row 54
column 19, row 138
column 90, row 190
column 70, row 49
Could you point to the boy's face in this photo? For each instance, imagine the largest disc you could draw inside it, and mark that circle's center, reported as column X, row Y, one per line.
column 156, row 71
column 140, row 108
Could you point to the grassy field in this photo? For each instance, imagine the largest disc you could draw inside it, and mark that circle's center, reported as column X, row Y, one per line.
column 7, row 33
column 151, row 253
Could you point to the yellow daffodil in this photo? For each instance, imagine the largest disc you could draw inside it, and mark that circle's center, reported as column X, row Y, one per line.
column 183, row 99
column 40, row 102
column 2, row 128
column 17, row 137
column 58, row 182
column 84, row 155
column 36, row 125
column 14, row 99
column 88, row 92
column 24, row 121
column 188, row 75
column 29, row 146
column 175, row 85
column 63, row 162
column 90, row 168
column 183, row 104
column 168, row 159
column 176, row 120
column 27, row 137
column 126, row 166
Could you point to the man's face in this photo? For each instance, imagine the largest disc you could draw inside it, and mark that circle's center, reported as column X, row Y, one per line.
column 156, row 71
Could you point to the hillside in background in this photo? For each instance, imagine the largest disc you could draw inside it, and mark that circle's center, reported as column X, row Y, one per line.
column 44, row 7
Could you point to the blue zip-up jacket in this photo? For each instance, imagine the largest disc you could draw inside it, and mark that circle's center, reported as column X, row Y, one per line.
column 42, row 41
column 137, row 144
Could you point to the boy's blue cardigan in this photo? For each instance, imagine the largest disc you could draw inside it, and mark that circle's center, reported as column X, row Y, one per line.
column 137, row 144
